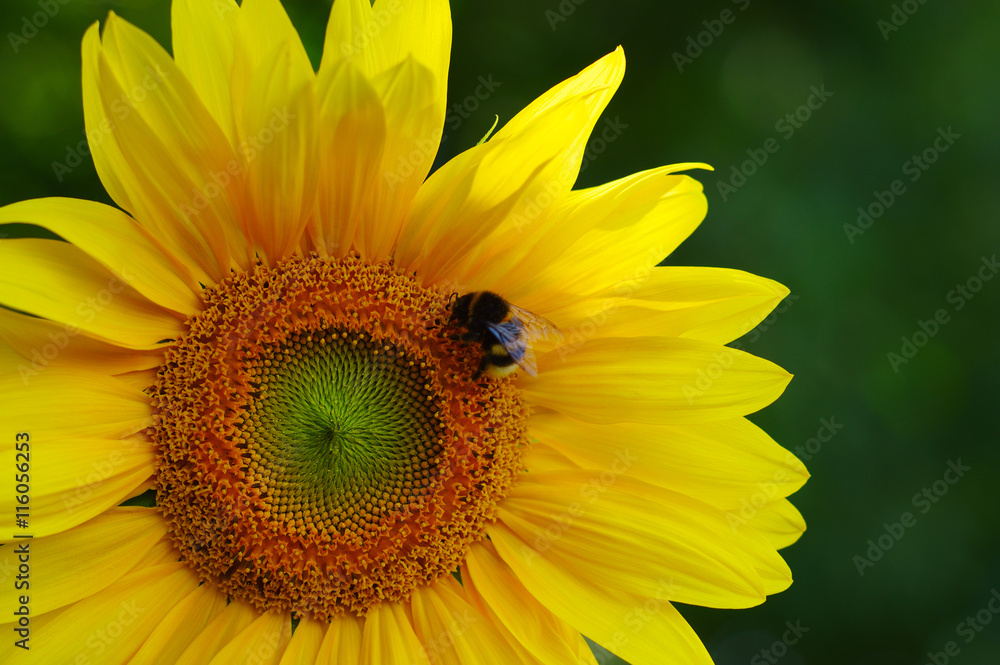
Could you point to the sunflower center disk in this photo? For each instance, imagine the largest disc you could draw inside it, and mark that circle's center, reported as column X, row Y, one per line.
column 321, row 445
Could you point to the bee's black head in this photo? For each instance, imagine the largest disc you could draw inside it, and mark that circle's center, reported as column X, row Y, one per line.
column 460, row 307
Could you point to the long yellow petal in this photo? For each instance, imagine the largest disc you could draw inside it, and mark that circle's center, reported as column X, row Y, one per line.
column 279, row 151
column 494, row 183
column 118, row 243
column 262, row 642
column 654, row 380
column 778, row 521
column 637, row 230
column 73, row 480
column 388, row 637
column 509, row 243
column 632, row 536
column 725, row 463
column 452, row 631
column 57, row 402
column 203, row 49
column 403, row 49
column 352, row 130
column 303, row 648
column 85, row 559
column 262, row 29
column 143, row 107
column 111, row 626
column 711, row 304
column 181, row 626
column 41, row 344
column 545, row 636
column 219, row 632
column 342, row 641
column 639, row 629
column 61, row 282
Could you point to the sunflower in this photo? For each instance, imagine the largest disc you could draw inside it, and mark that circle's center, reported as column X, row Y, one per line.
column 261, row 336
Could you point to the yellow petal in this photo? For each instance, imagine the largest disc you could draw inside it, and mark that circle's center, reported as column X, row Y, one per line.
column 41, row 344
column 724, row 463
column 509, row 243
column 403, row 49
column 632, row 224
column 633, row 536
column 408, row 93
column 85, row 559
column 279, row 151
column 203, row 49
column 377, row 38
column 219, row 632
column 262, row 30
column 303, row 648
column 73, row 480
column 545, row 636
column 118, row 243
column 262, row 642
column 494, row 184
column 711, row 304
column 639, row 629
column 452, row 631
column 139, row 108
column 184, row 623
column 342, row 641
column 388, row 637
column 61, row 282
column 654, row 380
column 56, row 403
column 778, row 521
column 111, row 626
column 352, row 130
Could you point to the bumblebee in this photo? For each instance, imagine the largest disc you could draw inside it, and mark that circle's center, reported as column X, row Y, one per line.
column 504, row 331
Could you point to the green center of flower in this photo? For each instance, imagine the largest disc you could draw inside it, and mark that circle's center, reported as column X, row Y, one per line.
column 322, row 447
column 345, row 430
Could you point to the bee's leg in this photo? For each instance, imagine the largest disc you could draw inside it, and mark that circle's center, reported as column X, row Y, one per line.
column 471, row 336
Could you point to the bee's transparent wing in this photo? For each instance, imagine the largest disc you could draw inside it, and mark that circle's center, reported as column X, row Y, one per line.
column 511, row 335
column 535, row 327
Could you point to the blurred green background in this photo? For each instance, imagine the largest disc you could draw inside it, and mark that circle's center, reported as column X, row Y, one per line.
column 726, row 82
